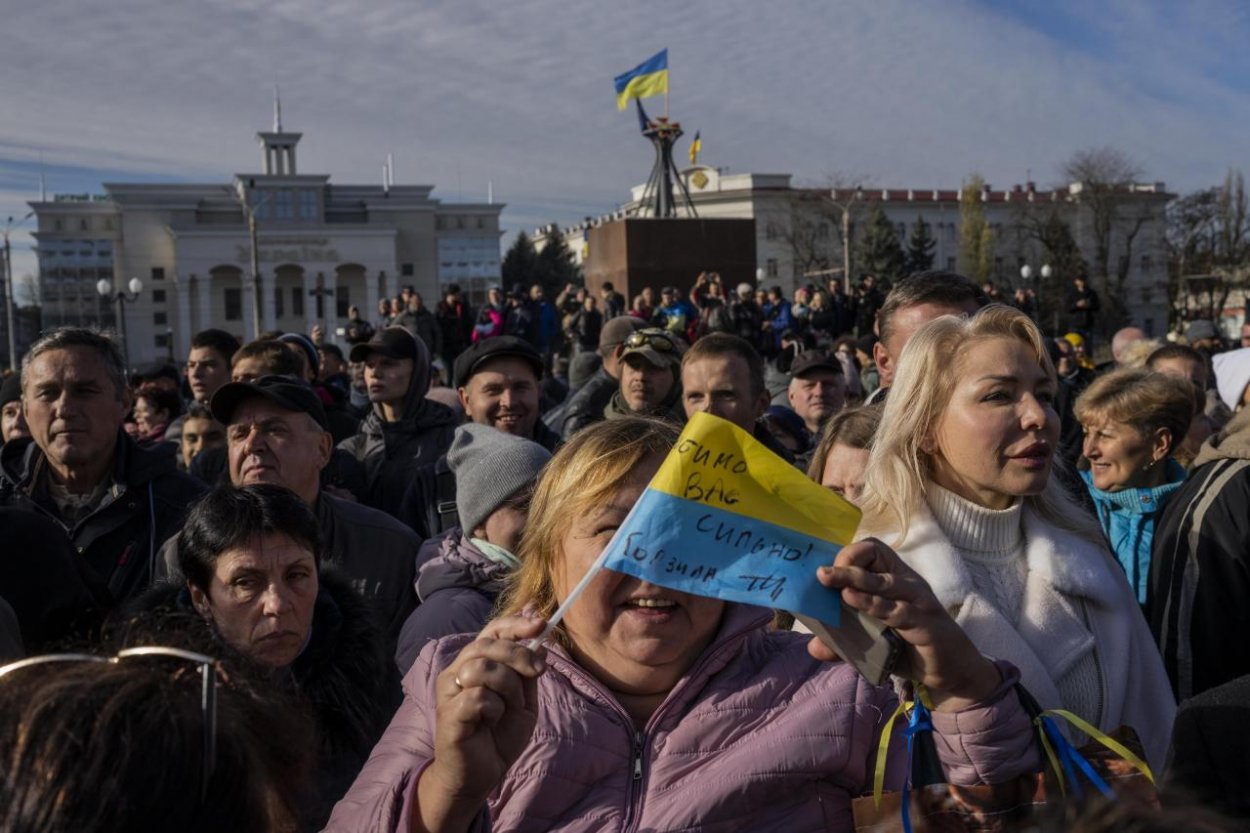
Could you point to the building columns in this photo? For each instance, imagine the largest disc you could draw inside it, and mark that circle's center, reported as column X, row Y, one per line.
column 330, row 305
column 204, row 289
column 370, row 311
column 183, row 340
column 310, row 299
column 249, row 309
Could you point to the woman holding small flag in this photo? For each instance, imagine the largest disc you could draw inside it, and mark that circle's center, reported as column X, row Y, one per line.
column 959, row 483
column 655, row 709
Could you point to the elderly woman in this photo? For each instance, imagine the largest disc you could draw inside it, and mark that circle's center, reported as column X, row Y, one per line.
column 840, row 460
column 252, row 562
column 959, row 482
column 1134, row 419
column 652, row 709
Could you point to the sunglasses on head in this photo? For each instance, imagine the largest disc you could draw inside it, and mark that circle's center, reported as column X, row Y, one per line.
column 208, row 669
column 659, row 341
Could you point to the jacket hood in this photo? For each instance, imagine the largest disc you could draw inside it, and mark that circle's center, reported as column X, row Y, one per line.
column 420, row 413
column 1232, row 442
column 459, row 564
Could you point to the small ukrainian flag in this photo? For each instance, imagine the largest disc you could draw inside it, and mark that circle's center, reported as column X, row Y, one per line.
column 695, row 147
column 643, row 81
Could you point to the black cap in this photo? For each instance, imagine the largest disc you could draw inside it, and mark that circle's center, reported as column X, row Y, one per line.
column 468, row 362
column 392, row 342
column 11, row 390
column 810, row 360
column 284, row 391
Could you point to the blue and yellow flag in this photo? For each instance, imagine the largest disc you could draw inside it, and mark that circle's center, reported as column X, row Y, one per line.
column 695, row 147
column 647, row 79
column 727, row 518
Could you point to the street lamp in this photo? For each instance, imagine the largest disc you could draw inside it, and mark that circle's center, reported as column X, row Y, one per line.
column 105, row 287
column 1026, row 272
column 8, row 289
column 249, row 209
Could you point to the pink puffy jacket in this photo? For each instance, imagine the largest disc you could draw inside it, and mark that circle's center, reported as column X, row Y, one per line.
column 758, row 736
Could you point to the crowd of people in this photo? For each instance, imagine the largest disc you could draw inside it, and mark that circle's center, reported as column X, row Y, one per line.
column 296, row 587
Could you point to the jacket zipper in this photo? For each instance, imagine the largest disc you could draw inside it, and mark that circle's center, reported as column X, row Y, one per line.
column 635, row 787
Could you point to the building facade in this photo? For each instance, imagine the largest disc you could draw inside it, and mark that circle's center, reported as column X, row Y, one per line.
column 799, row 230
column 319, row 249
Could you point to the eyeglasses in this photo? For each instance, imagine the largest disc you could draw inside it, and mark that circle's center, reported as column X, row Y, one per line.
column 656, row 339
column 208, row 689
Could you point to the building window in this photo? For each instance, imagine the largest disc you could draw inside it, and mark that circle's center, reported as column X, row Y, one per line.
column 1147, row 294
column 160, row 319
column 297, row 301
column 108, row 223
column 59, row 225
column 342, row 301
column 1146, row 264
column 84, row 225
column 278, row 298
column 481, row 222
column 770, row 231
column 284, row 204
column 950, row 264
column 158, row 296
column 770, row 267
column 308, row 205
column 161, row 340
column 234, row 304
column 158, row 273
column 406, row 270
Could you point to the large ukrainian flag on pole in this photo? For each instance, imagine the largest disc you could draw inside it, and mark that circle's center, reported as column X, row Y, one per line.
column 725, row 517
column 643, row 81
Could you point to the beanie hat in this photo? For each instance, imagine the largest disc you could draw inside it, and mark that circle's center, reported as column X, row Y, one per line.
column 490, row 466
column 1232, row 374
column 11, row 390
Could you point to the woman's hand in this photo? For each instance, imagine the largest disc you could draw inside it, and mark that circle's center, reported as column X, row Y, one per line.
column 487, row 706
column 940, row 655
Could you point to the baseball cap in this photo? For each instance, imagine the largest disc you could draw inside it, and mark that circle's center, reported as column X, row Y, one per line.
column 618, row 329
column 659, row 347
column 284, row 391
column 392, row 342
column 810, row 360
column 468, row 362
column 1199, row 330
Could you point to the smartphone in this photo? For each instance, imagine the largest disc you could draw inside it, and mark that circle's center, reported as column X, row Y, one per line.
column 862, row 640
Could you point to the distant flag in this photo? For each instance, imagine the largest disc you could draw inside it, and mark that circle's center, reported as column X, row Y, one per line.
column 647, row 79
column 642, row 116
column 695, row 147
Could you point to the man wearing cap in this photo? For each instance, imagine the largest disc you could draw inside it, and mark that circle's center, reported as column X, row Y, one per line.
column 463, row 571
column 277, row 432
column 650, row 377
column 113, row 501
column 1202, row 335
column 817, row 389
column 586, row 406
column 497, row 382
column 404, row 430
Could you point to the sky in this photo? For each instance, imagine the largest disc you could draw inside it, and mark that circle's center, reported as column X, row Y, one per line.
column 517, row 97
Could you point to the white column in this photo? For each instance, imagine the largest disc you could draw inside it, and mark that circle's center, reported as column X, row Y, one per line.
column 182, row 342
column 204, row 289
column 267, row 282
column 249, row 309
column 369, row 310
column 331, row 304
column 310, row 300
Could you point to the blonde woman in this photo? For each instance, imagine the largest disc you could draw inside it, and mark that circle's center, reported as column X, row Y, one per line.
column 656, row 710
column 960, row 483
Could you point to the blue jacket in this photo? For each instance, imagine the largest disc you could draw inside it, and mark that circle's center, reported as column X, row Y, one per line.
column 1128, row 519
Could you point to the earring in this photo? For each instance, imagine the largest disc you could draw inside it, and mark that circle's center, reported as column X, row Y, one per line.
column 1148, row 466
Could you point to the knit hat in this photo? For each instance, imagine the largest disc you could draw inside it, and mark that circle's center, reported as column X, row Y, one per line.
column 490, row 467
column 1232, row 374
column 11, row 390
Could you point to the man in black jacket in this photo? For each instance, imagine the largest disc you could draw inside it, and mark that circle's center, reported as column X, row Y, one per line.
column 586, row 406
column 114, row 501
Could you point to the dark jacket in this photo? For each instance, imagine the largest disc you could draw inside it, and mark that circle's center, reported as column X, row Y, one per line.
column 56, row 597
column 343, row 678
column 586, row 406
column 670, row 409
column 457, row 586
column 455, row 321
column 1207, row 761
column 118, row 541
column 1200, row 568
column 390, row 451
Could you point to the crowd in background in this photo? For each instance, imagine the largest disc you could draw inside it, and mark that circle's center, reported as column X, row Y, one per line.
column 300, row 527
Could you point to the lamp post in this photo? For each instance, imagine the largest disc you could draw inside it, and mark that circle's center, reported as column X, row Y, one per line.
column 8, row 289
column 249, row 208
column 105, row 287
column 845, row 207
column 1026, row 272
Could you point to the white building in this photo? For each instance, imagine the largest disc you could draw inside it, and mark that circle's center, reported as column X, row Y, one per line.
column 799, row 230
column 321, row 248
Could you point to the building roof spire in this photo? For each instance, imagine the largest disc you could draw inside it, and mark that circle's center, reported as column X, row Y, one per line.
column 277, row 110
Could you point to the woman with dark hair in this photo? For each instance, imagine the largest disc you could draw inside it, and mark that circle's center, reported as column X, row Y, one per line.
column 130, row 743
column 251, row 558
column 154, row 409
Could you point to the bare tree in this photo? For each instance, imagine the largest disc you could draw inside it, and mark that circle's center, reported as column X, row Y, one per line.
column 817, row 211
column 1106, row 178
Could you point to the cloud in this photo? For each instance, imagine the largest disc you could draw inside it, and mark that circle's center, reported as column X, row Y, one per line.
column 519, row 95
